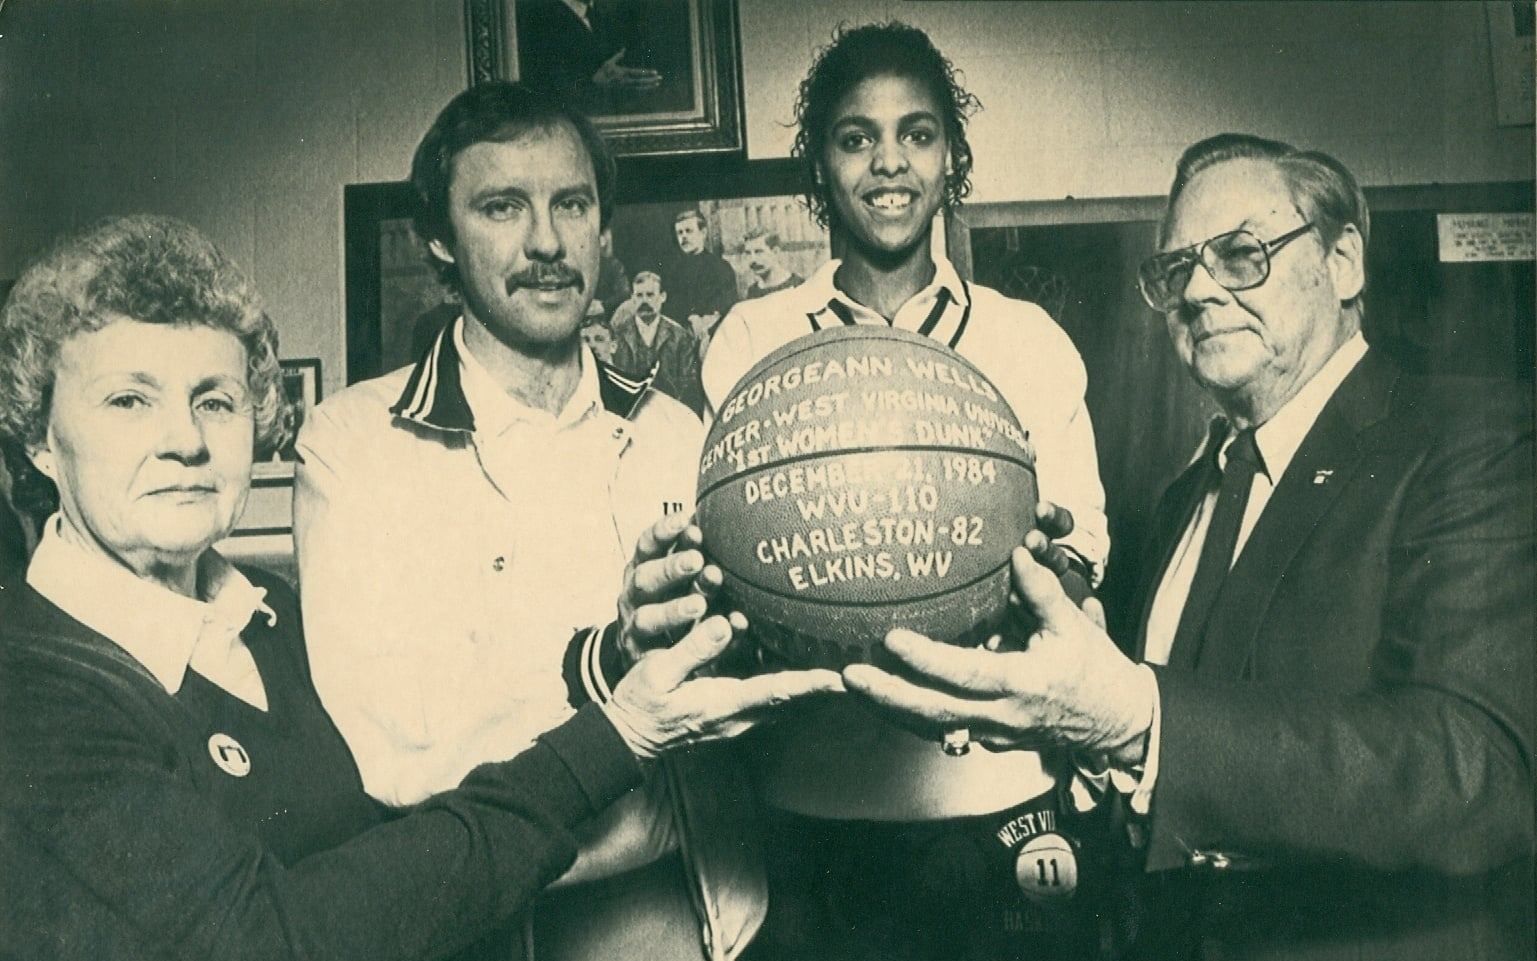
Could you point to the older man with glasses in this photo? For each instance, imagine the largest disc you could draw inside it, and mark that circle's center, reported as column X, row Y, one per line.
column 1326, row 748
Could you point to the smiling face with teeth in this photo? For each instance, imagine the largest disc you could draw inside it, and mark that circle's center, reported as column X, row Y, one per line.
column 884, row 166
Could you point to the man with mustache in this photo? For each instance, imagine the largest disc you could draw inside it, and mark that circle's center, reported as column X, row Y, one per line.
column 761, row 247
column 459, row 520
column 645, row 341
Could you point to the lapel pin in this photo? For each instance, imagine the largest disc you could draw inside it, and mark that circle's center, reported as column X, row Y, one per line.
column 1321, row 477
column 227, row 753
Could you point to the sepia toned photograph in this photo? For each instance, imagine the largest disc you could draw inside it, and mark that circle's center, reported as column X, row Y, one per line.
column 768, row 480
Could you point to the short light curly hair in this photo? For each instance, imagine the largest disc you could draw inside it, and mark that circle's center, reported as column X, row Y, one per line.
column 155, row 270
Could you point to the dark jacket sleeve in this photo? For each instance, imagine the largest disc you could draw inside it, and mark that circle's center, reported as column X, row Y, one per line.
column 98, row 804
column 1427, row 765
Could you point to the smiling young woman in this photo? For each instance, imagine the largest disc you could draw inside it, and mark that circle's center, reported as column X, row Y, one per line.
column 866, row 816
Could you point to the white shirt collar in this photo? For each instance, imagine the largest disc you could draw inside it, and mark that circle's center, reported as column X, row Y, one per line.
column 157, row 627
column 821, row 288
column 496, row 410
column 1279, row 437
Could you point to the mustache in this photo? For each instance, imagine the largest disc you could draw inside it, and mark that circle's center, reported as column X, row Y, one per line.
column 547, row 275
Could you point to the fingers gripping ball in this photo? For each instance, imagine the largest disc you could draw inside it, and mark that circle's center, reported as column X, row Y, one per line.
column 860, row 479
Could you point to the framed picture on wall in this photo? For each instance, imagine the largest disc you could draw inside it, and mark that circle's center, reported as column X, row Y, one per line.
column 394, row 301
column 301, row 392
column 264, row 534
column 688, row 239
column 657, row 76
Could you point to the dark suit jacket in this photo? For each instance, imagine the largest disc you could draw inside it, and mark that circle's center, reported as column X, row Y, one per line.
column 1346, row 757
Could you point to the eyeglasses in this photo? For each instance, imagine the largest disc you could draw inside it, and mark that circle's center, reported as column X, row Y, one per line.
column 1237, row 260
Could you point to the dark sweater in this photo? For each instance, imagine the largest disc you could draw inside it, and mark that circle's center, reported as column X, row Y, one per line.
column 122, row 837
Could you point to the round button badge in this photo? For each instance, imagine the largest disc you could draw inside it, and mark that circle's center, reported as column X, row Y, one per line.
column 1047, row 868
column 229, row 755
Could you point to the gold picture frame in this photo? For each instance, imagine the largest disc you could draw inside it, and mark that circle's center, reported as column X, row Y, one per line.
column 656, row 76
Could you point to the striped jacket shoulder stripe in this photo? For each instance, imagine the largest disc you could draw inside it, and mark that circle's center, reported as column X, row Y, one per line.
column 960, row 327
column 433, row 394
column 418, row 387
column 621, row 392
column 940, row 304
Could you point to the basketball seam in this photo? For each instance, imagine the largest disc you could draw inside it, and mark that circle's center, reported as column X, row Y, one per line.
column 834, row 602
column 845, row 451
column 877, row 333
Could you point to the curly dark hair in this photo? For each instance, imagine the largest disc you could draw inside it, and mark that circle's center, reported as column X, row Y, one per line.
column 880, row 49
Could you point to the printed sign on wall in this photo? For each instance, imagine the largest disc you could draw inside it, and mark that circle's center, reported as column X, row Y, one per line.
column 1470, row 238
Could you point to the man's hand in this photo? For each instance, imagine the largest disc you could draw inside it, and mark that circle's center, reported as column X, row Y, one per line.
column 664, row 593
column 1070, row 686
column 661, row 705
column 615, row 74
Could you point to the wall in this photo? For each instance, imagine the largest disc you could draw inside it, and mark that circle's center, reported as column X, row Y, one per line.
column 247, row 116
column 1098, row 99
column 244, row 117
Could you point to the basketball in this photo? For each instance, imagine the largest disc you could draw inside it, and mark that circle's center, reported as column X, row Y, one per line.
column 859, row 479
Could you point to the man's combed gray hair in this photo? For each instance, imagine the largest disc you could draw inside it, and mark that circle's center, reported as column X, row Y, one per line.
column 154, row 270
column 1323, row 189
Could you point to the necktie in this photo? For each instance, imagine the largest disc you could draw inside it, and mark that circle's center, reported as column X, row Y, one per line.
column 1243, row 461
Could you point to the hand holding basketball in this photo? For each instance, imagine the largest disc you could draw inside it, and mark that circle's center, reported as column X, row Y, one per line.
column 662, row 704
column 666, row 585
column 1070, row 687
column 1051, row 524
column 860, row 479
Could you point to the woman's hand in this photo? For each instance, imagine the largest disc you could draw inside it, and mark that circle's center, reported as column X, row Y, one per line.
column 661, row 705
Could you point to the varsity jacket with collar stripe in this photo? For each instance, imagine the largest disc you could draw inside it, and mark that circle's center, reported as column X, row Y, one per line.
column 425, row 621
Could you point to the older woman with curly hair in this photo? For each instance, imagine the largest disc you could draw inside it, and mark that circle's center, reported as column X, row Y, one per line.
column 172, row 786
